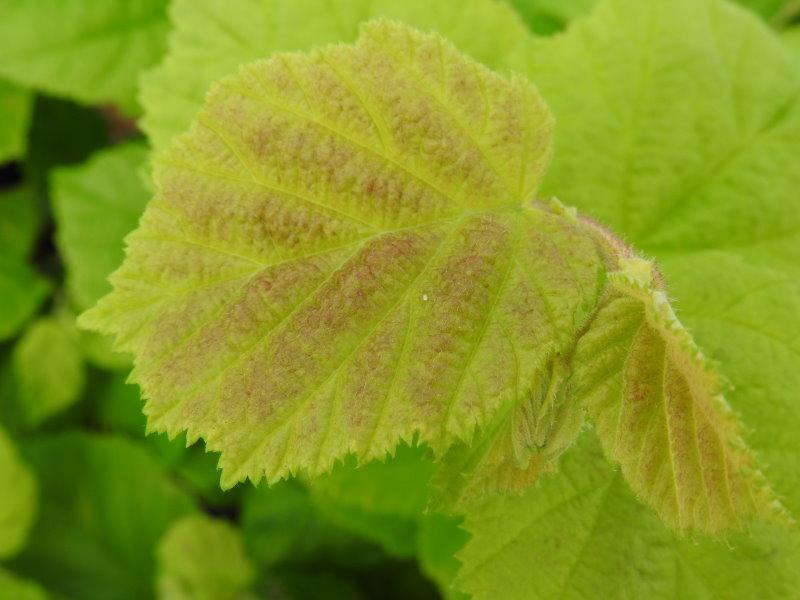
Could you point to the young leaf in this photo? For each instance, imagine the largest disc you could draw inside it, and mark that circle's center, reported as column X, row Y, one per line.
column 105, row 503
column 107, row 190
column 201, row 558
column 659, row 412
column 19, row 499
column 211, row 40
column 92, row 52
column 15, row 108
column 375, row 266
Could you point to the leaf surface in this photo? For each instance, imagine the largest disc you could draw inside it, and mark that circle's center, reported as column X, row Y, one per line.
column 91, row 52
column 211, row 40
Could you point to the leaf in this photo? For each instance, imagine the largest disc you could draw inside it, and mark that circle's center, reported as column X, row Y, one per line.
column 105, row 504
column 386, row 226
column 201, row 558
column 48, row 369
column 79, row 49
column 107, row 190
column 21, row 292
column 17, row 588
column 20, row 222
column 18, row 502
column 15, row 106
column 563, row 538
column 211, row 40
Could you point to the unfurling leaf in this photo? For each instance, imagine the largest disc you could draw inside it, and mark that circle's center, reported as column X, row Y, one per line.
column 659, row 412
column 345, row 252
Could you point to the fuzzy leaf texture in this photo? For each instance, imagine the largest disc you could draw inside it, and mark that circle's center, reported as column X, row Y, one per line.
column 343, row 253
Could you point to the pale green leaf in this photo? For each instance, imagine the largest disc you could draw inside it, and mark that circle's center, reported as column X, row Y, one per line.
column 16, row 588
column 18, row 500
column 581, row 534
column 15, row 114
column 211, row 40
column 19, row 221
column 200, row 558
column 48, row 369
column 86, row 50
column 105, row 503
column 22, row 290
column 96, row 204
column 383, row 267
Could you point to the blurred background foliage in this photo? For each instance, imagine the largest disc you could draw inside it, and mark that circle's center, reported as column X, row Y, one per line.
column 91, row 507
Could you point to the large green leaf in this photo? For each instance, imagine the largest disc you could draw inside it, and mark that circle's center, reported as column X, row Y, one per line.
column 212, row 39
column 18, row 500
column 15, row 114
column 90, row 51
column 105, row 503
column 201, row 558
column 96, row 204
